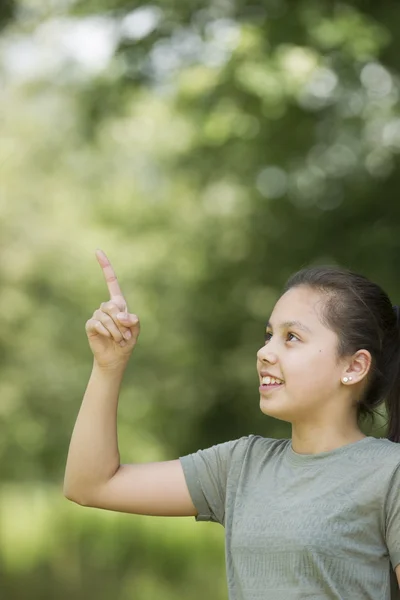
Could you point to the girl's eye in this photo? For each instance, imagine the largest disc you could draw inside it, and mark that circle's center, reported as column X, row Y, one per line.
column 292, row 335
column 267, row 336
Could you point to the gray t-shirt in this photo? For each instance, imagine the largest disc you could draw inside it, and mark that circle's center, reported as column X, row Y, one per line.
column 302, row 526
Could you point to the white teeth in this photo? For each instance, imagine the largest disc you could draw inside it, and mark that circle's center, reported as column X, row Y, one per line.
column 270, row 380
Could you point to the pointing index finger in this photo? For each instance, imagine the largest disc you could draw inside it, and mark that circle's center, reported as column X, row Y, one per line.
column 109, row 274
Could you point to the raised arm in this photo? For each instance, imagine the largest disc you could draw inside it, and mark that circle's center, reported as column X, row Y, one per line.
column 94, row 476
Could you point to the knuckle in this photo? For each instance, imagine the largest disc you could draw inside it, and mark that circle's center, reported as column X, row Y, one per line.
column 106, row 320
column 109, row 307
column 109, row 323
column 90, row 325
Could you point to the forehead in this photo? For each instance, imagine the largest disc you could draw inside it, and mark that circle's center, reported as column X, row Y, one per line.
column 300, row 303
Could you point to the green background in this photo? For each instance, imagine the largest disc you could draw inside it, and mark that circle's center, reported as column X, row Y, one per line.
column 210, row 149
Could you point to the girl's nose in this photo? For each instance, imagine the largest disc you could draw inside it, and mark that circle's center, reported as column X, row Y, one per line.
column 265, row 355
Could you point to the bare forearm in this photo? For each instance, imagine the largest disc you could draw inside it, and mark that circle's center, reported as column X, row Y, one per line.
column 93, row 456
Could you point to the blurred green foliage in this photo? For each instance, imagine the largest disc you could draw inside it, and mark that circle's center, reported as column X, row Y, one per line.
column 7, row 12
column 52, row 550
column 211, row 149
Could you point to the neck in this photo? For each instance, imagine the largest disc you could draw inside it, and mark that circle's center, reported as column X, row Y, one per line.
column 313, row 440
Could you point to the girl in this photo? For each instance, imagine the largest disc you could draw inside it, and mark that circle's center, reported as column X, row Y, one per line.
column 313, row 517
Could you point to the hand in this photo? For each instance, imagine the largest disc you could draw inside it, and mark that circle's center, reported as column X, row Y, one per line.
column 112, row 331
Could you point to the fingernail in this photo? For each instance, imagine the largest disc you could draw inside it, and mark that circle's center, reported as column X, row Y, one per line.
column 122, row 343
column 122, row 316
column 127, row 335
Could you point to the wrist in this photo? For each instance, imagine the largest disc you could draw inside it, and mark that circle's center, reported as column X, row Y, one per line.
column 110, row 371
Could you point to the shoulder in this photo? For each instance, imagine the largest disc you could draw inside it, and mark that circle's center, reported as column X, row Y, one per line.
column 382, row 450
column 232, row 456
column 257, row 446
column 381, row 455
column 237, row 449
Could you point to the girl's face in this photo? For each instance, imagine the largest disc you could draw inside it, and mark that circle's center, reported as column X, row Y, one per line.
column 302, row 352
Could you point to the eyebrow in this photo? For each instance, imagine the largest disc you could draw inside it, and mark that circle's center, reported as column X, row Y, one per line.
column 289, row 324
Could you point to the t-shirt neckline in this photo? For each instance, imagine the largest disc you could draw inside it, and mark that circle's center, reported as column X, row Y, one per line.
column 294, row 458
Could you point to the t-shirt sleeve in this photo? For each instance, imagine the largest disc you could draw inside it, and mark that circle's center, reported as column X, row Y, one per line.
column 392, row 516
column 207, row 472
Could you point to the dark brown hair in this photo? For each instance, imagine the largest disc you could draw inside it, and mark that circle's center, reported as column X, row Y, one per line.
column 362, row 316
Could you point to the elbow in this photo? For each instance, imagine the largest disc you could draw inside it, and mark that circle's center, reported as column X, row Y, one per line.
column 74, row 496
column 71, row 497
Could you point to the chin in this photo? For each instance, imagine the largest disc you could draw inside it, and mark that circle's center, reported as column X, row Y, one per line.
column 274, row 409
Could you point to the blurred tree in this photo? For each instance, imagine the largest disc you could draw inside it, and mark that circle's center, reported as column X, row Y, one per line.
column 222, row 148
column 7, row 12
column 296, row 135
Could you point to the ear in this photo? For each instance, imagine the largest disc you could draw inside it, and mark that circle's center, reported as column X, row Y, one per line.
column 359, row 366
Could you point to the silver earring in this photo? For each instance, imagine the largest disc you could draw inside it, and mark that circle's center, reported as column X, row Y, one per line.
column 346, row 379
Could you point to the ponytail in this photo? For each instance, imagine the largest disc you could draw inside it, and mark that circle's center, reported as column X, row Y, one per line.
column 393, row 397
